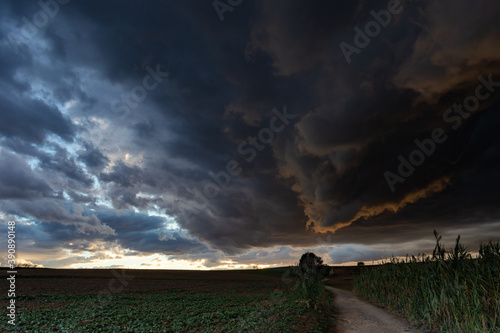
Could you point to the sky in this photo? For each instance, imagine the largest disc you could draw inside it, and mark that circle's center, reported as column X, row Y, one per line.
column 233, row 133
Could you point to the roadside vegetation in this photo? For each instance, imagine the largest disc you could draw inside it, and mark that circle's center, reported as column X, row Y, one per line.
column 448, row 292
column 307, row 278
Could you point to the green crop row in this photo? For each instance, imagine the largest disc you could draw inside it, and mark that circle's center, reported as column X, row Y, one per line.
column 166, row 311
column 447, row 292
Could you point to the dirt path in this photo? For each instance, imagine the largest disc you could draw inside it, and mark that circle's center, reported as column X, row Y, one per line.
column 356, row 316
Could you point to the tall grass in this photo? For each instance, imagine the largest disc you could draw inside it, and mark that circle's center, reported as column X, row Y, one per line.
column 448, row 292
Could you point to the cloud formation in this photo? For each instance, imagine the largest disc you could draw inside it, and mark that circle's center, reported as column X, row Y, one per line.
column 146, row 174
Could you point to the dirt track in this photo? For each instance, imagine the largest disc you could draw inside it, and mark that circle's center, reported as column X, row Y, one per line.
column 356, row 316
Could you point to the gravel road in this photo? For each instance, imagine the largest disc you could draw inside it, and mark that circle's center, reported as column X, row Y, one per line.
column 357, row 316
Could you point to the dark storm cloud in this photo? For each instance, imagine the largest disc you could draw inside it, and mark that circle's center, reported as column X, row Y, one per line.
column 144, row 233
column 59, row 211
column 151, row 243
column 31, row 120
column 81, row 198
column 61, row 162
column 199, row 114
column 132, row 231
column 93, row 157
column 169, row 151
column 18, row 180
column 126, row 176
column 348, row 142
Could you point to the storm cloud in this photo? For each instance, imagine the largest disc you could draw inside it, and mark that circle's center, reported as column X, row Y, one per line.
column 157, row 128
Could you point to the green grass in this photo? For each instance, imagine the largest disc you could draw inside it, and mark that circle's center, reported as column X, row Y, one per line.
column 167, row 311
column 448, row 292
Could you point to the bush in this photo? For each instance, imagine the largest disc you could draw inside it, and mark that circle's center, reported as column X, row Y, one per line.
column 307, row 278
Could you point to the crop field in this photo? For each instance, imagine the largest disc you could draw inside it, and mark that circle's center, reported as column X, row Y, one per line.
column 448, row 292
column 160, row 301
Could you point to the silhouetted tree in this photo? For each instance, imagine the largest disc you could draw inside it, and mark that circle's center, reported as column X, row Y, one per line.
column 310, row 262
